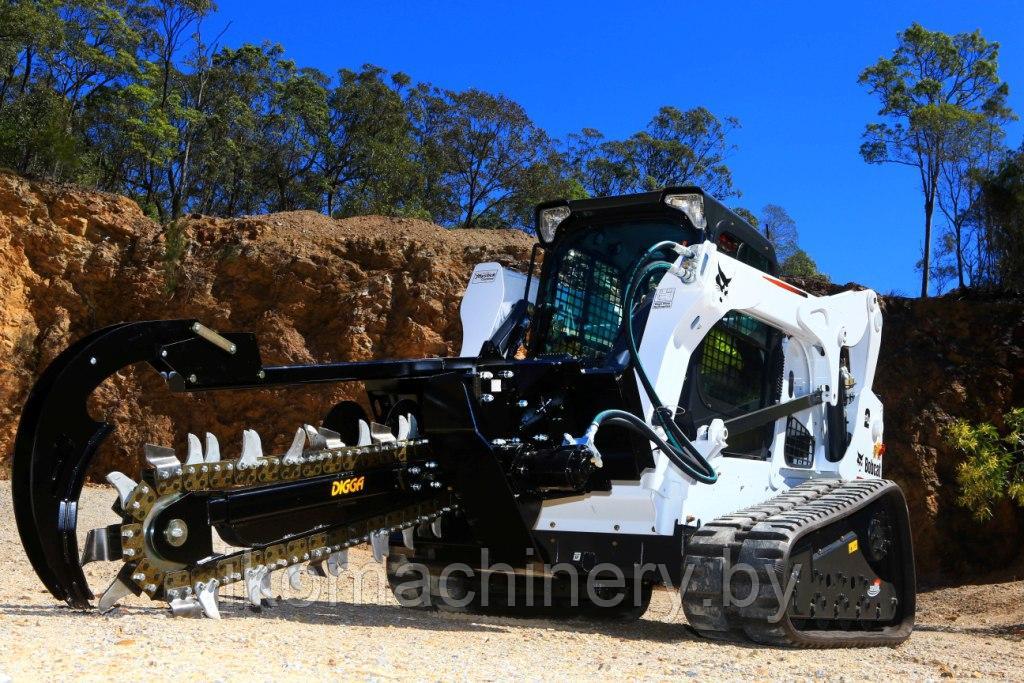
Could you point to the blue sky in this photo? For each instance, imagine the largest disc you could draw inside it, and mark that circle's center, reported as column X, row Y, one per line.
column 788, row 71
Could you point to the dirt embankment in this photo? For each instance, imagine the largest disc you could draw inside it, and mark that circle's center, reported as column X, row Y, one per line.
column 316, row 289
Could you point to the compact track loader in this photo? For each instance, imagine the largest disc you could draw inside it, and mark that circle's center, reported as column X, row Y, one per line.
column 654, row 407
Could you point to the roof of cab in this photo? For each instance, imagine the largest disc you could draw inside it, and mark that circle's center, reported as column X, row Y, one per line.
column 719, row 217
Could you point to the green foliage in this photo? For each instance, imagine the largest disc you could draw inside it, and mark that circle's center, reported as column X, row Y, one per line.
column 936, row 92
column 800, row 264
column 676, row 148
column 132, row 96
column 779, row 228
column 998, row 217
column 994, row 464
column 748, row 215
column 175, row 245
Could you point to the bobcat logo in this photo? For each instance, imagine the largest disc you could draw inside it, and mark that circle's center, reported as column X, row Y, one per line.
column 723, row 282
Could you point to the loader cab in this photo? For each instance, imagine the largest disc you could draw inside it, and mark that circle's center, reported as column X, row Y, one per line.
column 590, row 246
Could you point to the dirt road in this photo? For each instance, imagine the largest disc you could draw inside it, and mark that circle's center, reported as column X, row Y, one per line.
column 350, row 627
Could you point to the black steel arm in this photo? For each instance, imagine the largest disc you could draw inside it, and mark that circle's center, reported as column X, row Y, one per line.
column 57, row 438
column 759, row 418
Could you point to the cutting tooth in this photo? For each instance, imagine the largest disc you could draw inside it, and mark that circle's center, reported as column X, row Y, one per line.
column 161, row 457
column 266, row 590
column 364, row 434
column 252, row 449
column 316, row 440
column 294, row 574
column 294, row 454
column 212, row 448
column 435, row 527
column 407, row 538
column 380, row 433
column 257, row 587
column 379, row 543
column 98, row 545
column 187, row 607
column 414, row 428
column 124, row 485
column 403, row 428
column 331, row 437
column 195, row 450
column 252, row 586
column 316, row 569
column 115, row 591
column 336, row 562
column 206, row 594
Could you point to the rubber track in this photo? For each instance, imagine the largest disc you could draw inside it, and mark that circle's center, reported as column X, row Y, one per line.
column 762, row 537
column 720, row 541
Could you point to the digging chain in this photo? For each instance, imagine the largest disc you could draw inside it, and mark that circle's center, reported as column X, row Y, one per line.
column 159, row 581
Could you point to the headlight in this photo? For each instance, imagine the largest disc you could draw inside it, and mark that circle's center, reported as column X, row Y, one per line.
column 690, row 204
column 549, row 220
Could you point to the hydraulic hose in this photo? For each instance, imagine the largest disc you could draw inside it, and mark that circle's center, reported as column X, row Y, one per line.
column 678, row 448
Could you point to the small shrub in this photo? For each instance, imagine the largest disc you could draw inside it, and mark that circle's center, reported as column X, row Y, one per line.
column 994, row 467
column 175, row 245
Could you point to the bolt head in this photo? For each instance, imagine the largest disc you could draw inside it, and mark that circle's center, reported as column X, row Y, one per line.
column 192, row 378
column 176, row 532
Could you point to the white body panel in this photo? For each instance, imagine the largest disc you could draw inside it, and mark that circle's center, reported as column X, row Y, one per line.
column 488, row 300
column 817, row 329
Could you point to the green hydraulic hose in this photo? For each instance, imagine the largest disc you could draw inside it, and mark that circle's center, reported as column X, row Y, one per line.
column 678, row 447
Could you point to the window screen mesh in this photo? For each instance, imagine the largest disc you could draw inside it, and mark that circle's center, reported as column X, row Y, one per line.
column 799, row 444
column 731, row 367
column 587, row 308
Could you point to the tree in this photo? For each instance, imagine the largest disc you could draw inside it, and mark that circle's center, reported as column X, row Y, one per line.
column 932, row 88
column 676, row 148
column 975, row 151
column 779, row 228
column 366, row 152
column 481, row 153
column 749, row 216
column 799, row 264
column 998, row 217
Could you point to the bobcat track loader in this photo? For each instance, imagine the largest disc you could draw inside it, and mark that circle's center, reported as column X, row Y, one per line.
column 654, row 407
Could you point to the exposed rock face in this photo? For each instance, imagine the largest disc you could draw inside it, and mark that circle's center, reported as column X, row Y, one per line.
column 315, row 289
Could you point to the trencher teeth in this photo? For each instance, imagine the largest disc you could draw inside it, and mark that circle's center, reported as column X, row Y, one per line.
column 206, row 594
column 379, row 543
column 294, row 454
column 414, row 428
column 331, row 437
column 257, row 587
column 364, row 434
column 124, row 485
column 212, row 448
column 380, row 433
column 195, row 450
column 403, row 428
column 337, row 561
column 316, row 440
column 252, row 449
column 294, row 574
column 117, row 590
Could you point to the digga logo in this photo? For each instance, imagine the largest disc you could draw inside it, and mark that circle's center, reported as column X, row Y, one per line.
column 343, row 487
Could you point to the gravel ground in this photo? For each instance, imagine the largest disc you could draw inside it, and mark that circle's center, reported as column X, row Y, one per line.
column 352, row 628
